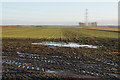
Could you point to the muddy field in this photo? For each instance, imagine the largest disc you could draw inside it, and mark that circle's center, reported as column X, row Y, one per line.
column 24, row 60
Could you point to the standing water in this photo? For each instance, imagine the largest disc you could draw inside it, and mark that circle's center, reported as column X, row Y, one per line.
column 62, row 44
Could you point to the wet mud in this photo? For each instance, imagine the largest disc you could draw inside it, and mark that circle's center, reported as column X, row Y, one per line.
column 21, row 59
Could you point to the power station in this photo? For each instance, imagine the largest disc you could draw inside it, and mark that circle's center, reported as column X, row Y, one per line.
column 86, row 23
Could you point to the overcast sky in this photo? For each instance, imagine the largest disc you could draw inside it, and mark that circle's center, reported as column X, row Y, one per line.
column 68, row 13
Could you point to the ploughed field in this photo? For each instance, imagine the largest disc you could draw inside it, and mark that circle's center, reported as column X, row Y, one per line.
column 106, row 28
column 55, row 52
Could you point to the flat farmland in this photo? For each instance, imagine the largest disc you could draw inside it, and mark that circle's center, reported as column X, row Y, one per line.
column 59, row 52
column 30, row 32
column 54, row 33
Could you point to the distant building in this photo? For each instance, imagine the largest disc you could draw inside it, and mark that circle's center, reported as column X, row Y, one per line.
column 92, row 24
column 82, row 24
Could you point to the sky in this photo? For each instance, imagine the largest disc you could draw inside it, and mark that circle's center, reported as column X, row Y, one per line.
column 59, row 0
column 58, row 13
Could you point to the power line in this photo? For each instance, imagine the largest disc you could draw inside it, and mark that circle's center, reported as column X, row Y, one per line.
column 86, row 17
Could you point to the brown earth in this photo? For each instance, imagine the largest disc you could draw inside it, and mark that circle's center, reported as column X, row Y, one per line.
column 107, row 29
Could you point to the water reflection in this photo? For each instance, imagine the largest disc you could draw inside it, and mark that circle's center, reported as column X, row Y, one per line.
column 51, row 71
column 62, row 44
column 43, row 69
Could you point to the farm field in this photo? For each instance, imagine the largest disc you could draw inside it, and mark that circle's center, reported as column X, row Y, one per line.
column 59, row 52
column 106, row 28
column 54, row 32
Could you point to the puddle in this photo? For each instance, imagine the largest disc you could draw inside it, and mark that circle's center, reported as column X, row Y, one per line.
column 45, row 57
column 38, row 68
column 19, row 53
column 49, row 61
column 43, row 69
column 68, row 63
column 62, row 44
column 92, row 73
column 49, row 71
column 84, row 71
column 19, row 65
column 97, row 74
column 13, row 62
column 75, row 69
column 33, row 68
column 27, row 67
column 23, row 66
column 88, row 72
column 16, row 63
